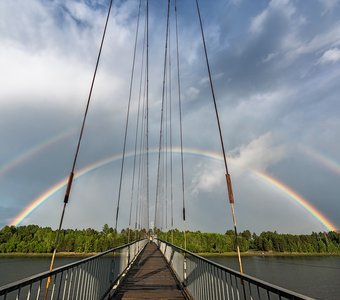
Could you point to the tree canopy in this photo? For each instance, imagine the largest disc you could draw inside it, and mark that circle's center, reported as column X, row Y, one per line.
column 35, row 239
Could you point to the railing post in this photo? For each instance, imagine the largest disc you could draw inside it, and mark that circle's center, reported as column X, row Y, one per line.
column 184, row 270
column 129, row 255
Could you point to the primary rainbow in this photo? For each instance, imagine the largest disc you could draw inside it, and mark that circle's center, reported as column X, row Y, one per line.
column 298, row 198
column 92, row 167
column 188, row 151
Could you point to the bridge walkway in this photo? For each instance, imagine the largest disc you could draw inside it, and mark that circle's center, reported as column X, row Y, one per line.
column 149, row 278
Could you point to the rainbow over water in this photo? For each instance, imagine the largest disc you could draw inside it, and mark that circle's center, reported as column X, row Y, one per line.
column 187, row 151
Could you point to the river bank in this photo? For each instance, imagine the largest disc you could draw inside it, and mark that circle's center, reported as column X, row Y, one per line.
column 60, row 254
column 269, row 253
column 208, row 254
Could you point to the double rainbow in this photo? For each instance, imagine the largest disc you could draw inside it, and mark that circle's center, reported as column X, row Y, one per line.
column 188, row 151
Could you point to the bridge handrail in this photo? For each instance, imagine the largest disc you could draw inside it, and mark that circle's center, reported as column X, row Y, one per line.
column 242, row 278
column 43, row 276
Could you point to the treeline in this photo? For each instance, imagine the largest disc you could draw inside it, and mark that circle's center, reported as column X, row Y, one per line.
column 35, row 239
column 201, row 242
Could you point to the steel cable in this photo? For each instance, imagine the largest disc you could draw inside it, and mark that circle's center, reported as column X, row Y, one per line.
column 229, row 186
column 127, row 118
column 70, row 180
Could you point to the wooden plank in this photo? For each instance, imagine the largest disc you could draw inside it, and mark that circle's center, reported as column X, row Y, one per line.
column 149, row 278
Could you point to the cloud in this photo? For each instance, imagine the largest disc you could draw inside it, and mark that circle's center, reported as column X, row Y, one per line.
column 330, row 56
column 207, row 178
column 276, row 85
column 329, row 38
column 259, row 154
column 328, row 5
column 276, row 7
column 257, row 23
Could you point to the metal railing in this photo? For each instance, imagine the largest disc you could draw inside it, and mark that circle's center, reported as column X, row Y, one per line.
column 90, row 278
column 204, row 279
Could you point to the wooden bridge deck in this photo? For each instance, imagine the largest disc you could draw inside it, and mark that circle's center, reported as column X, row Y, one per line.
column 149, row 278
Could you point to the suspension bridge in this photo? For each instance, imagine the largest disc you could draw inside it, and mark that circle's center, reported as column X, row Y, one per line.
column 147, row 267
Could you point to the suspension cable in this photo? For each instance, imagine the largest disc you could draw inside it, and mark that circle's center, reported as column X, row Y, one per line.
column 141, row 158
column 147, row 113
column 70, row 179
column 134, row 160
column 162, row 108
column 180, row 125
column 170, row 141
column 166, row 155
column 140, row 115
column 127, row 118
column 170, row 127
column 228, row 180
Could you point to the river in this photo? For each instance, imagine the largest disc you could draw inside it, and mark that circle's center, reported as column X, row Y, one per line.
column 314, row 276
column 16, row 268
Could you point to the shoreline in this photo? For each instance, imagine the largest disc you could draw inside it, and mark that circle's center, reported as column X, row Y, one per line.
column 60, row 254
column 208, row 254
column 269, row 254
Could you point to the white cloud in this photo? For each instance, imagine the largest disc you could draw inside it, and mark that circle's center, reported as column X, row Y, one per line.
column 48, row 56
column 258, row 22
column 206, row 179
column 270, row 56
column 285, row 7
column 331, row 55
column 259, row 154
column 330, row 38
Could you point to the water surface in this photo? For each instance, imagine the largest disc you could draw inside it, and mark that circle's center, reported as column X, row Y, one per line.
column 16, row 268
column 314, row 276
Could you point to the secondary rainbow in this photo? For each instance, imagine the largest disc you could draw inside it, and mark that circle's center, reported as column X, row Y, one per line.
column 325, row 161
column 21, row 158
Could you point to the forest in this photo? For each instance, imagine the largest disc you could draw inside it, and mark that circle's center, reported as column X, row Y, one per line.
column 35, row 239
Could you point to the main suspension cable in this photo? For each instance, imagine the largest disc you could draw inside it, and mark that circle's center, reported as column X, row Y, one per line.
column 147, row 114
column 162, row 108
column 136, row 135
column 180, row 126
column 127, row 118
column 70, row 179
column 141, row 162
column 229, row 185
column 170, row 141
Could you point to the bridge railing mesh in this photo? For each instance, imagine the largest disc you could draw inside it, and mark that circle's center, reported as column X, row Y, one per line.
column 90, row 278
column 204, row 279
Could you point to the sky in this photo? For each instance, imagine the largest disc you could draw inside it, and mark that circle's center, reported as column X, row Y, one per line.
column 275, row 67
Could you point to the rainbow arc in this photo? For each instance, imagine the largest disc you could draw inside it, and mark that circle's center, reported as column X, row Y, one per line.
column 304, row 203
